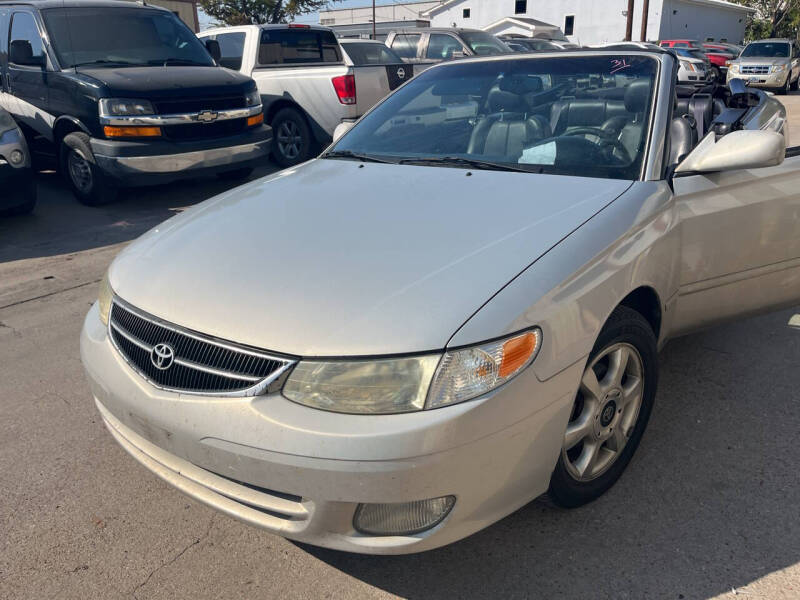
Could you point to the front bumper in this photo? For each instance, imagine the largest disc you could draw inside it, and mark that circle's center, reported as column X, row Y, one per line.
column 771, row 81
column 135, row 163
column 301, row 473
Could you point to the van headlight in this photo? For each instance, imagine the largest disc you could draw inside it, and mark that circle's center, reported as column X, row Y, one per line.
column 104, row 296
column 408, row 384
column 125, row 107
column 252, row 98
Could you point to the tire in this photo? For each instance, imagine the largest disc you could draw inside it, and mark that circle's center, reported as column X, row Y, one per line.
column 614, row 404
column 236, row 174
column 795, row 84
column 292, row 142
column 717, row 74
column 785, row 89
column 78, row 166
column 28, row 204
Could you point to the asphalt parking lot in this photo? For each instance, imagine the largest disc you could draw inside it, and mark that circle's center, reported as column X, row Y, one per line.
column 707, row 509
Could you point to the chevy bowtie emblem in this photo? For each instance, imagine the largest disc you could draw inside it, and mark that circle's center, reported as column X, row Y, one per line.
column 207, row 116
column 162, row 356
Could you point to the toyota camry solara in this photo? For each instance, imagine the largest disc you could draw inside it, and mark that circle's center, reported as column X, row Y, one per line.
column 455, row 309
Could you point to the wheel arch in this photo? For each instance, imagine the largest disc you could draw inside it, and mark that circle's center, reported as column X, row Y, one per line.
column 64, row 125
column 646, row 301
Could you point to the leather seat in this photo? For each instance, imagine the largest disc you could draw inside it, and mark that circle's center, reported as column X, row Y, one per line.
column 637, row 99
column 509, row 128
column 682, row 138
column 566, row 115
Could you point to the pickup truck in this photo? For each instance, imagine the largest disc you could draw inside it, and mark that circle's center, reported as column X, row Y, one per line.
column 307, row 87
column 427, row 47
column 124, row 94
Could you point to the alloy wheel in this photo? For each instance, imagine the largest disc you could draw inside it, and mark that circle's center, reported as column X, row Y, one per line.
column 605, row 412
column 290, row 141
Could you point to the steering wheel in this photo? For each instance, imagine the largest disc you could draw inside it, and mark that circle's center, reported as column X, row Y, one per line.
column 606, row 139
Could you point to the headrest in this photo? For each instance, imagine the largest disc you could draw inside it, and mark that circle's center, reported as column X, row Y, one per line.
column 520, row 84
column 637, row 96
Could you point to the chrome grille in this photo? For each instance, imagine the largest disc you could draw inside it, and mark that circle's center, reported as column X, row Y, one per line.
column 198, row 364
column 755, row 69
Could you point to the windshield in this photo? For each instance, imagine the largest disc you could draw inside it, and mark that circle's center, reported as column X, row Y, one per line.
column 484, row 44
column 116, row 37
column 370, row 54
column 766, row 50
column 583, row 116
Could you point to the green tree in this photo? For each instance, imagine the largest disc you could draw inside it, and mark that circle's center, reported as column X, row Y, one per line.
column 773, row 18
column 246, row 12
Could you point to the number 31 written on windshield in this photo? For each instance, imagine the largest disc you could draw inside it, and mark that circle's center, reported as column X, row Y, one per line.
column 618, row 64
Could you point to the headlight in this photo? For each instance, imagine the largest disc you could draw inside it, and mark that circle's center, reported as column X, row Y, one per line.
column 104, row 296
column 125, row 107
column 253, row 98
column 687, row 65
column 397, row 385
column 734, row 68
column 778, row 68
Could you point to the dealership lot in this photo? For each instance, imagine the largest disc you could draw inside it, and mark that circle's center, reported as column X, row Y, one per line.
column 705, row 510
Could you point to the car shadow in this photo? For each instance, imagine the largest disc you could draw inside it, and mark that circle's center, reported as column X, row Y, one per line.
column 707, row 505
column 61, row 225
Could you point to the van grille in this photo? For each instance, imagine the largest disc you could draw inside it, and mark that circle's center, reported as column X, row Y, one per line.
column 179, row 360
column 205, row 131
column 192, row 105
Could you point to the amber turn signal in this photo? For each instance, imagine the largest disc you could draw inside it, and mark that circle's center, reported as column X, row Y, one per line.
column 255, row 119
column 116, row 132
column 517, row 351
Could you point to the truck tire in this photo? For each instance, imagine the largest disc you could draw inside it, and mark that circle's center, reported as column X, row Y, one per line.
column 28, row 204
column 611, row 410
column 292, row 142
column 78, row 166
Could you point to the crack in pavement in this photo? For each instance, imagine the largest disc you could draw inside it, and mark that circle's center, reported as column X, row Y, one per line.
column 175, row 558
column 74, row 287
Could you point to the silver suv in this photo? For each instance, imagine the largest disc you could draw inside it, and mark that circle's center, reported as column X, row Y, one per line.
column 772, row 64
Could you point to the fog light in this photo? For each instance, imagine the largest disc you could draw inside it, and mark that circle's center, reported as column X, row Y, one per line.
column 16, row 157
column 402, row 518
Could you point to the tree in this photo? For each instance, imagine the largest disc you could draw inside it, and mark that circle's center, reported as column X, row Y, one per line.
column 246, row 12
column 773, row 18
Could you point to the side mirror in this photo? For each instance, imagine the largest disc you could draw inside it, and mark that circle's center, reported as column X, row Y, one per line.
column 214, row 50
column 341, row 129
column 736, row 150
column 20, row 52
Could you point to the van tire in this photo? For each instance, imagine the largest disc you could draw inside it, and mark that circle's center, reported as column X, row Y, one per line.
column 292, row 142
column 78, row 166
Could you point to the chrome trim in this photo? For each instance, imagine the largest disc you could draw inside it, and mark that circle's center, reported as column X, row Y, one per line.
column 174, row 163
column 182, row 118
column 272, row 383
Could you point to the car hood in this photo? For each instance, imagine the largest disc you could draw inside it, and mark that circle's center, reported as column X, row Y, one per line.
column 166, row 82
column 755, row 60
column 341, row 258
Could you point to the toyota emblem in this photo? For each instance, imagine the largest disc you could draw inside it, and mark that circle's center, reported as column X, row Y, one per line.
column 162, row 356
column 401, row 73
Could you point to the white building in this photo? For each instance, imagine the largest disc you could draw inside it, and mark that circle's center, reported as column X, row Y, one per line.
column 398, row 11
column 598, row 21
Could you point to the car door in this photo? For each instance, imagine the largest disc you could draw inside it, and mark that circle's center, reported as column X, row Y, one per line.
column 26, row 83
column 740, row 243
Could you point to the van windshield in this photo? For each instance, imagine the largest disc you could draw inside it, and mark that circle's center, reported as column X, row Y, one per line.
column 114, row 37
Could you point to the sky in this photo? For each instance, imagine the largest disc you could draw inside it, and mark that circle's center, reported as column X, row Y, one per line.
column 206, row 22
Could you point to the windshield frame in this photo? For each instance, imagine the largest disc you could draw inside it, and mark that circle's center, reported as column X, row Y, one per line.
column 653, row 165
column 52, row 42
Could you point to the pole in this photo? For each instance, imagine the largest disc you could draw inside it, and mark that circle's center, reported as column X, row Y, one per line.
column 629, row 24
column 645, row 11
column 374, row 37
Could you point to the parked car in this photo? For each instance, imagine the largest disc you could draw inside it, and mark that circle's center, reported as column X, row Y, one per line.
column 681, row 44
column 720, row 48
column 125, row 94
column 17, row 185
column 525, row 44
column 427, row 47
column 306, row 87
column 453, row 310
column 379, row 69
column 693, row 69
column 772, row 64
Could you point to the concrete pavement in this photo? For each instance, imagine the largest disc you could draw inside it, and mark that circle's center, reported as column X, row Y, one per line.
column 708, row 505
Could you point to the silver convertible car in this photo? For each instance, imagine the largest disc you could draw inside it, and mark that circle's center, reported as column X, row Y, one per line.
column 457, row 308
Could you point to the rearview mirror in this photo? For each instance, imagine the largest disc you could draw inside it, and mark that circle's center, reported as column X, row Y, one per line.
column 20, row 52
column 214, row 50
column 341, row 129
column 736, row 150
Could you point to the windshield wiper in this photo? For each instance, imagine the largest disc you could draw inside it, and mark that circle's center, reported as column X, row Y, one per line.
column 358, row 156
column 176, row 61
column 475, row 163
column 105, row 62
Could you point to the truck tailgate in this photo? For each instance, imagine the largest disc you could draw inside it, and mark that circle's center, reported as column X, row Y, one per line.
column 375, row 82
